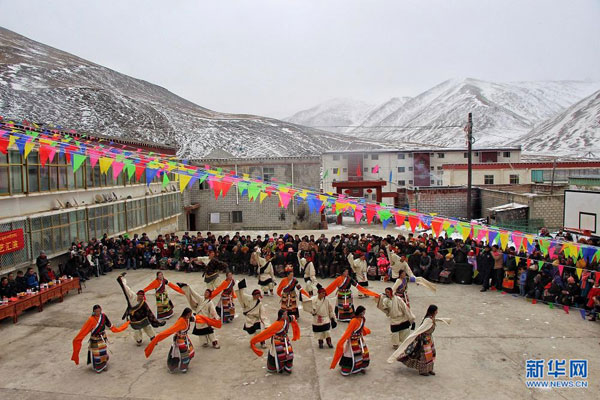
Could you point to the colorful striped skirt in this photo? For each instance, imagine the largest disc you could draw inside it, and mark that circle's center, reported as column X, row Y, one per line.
column 181, row 353
column 420, row 355
column 226, row 308
column 164, row 307
column 356, row 357
column 345, row 307
column 283, row 360
column 289, row 303
column 98, row 353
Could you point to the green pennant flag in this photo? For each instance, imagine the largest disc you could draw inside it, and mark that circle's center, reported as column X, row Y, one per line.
column 78, row 159
column 130, row 170
column 384, row 214
column 551, row 305
column 165, row 180
column 326, row 173
column 540, row 264
column 450, row 230
column 202, row 179
column 242, row 186
column 253, row 191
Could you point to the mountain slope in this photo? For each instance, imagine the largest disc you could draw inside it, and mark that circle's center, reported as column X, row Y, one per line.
column 334, row 115
column 501, row 112
column 575, row 131
column 42, row 84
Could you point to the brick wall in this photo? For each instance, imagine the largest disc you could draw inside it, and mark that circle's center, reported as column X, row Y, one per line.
column 301, row 172
column 450, row 202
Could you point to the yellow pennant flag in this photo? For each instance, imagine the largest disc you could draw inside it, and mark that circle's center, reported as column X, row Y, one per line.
column 105, row 164
column 578, row 272
column 517, row 259
column 262, row 196
column 184, row 179
column 11, row 141
column 504, row 240
column 466, row 231
column 28, row 148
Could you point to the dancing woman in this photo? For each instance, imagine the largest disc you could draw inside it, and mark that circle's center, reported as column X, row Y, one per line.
column 164, row 306
column 266, row 274
column 418, row 350
column 400, row 287
column 351, row 351
column 400, row 315
column 310, row 273
column 98, row 347
column 280, row 354
column 253, row 309
column 182, row 349
column 202, row 305
column 345, row 305
column 287, row 291
column 225, row 307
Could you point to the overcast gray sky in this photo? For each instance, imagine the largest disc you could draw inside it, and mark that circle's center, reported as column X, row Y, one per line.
column 276, row 57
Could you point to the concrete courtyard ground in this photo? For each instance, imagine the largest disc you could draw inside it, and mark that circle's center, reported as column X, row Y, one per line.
column 481, row 355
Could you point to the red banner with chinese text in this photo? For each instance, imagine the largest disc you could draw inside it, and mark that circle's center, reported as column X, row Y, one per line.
column 11, row 241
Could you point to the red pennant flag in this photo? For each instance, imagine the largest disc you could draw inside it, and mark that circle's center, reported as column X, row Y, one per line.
column 216, row 186
column 399, row 219
column 413, row 221
column 44, row 153
column 533, row 301
column 566, row 308
column 139, row 170
column 370, row 214
column 225, row 186
column 436, row 227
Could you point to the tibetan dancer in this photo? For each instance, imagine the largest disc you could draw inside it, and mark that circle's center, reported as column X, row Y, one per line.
column 138, row 312
column 287, row 291
column 202, row 305
column 310, row 273
column 400, row 315
column 400, row 287
column 266, row 274
column 98, row 348
column 225, row 306
column 359, row 267
column 211, row 273
column 182, row 349
column 323, row 316
column 253, row 309
column 397, row 263
column 351, row 351
column 418, row 350
column 281, row 354
column 164, row 306
column 343, row 285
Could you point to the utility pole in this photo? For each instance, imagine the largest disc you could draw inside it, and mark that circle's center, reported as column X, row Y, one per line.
column 469, row 129
column 553, row 171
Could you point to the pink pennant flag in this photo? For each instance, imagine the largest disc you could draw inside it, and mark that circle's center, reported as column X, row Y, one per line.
column 560, row 269
column 358, row 214
column 284, row 199
column 94, row 156
column 117, row 167
column 376, row 169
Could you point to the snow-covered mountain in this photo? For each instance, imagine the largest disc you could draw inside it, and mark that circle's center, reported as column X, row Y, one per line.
column 335, row 115
column 502, row 112
column 42, row 84
column 575, row 131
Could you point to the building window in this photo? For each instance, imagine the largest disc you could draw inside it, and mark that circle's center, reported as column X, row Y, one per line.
column 374, row 196
column 410, row 168
column 440, row 183
column 410, row 155
column 466, row 155
column 440, row 167
column 488, row 179
column 335, row 171
column 336, row 157
column 345, row 170
column 374, row 156
column 432, row 168
column 401, row 156
column 402, row 183
column 400, row 169
column 514, row 179
column 365, row 169
column 476, row 154
column 268, row 173
column 410, row 182
column 432, row 182
column 441, row 155
column 507, row 154
column 54, row 233
column 236, row 217
column 366, row 156
column 203, row 185
column 344, row 157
